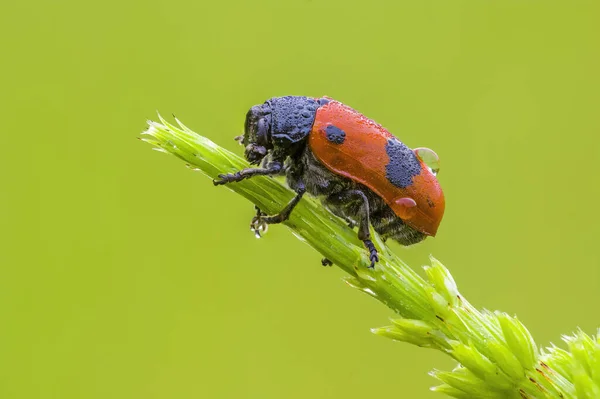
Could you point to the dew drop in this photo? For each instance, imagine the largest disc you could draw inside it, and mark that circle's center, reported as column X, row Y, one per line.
column 406, row 207
column 429, row 158
column 259, row 229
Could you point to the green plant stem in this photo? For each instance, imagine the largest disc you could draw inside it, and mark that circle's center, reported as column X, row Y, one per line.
column 497, row 355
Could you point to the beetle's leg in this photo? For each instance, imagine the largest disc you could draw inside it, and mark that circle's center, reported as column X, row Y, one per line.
column 260, row 220
column 326, row 262
column 343, row 198
column 272, row 168
column 287, row 211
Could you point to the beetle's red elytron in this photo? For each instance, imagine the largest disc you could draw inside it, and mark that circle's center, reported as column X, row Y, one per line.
column 361, row 171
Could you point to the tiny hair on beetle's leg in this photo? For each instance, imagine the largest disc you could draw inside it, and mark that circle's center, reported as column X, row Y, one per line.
column 272, row 169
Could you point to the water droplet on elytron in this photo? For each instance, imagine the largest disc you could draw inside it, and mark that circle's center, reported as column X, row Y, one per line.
column 406, row 207
column 429, row 158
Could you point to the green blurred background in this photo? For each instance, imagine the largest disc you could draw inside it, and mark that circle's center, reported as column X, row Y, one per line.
column 125, row 275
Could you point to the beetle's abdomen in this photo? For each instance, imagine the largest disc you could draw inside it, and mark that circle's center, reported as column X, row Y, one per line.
column 322, row 182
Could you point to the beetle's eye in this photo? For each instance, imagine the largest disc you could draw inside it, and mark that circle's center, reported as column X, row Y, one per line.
column 429, row 158
column 261, row 132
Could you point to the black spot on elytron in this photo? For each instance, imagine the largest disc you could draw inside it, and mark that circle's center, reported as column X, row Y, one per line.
column 323, row 101
column 403, row 165
column 335, row 134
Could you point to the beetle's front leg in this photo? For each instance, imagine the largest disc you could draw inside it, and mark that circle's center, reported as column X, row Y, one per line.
column 273, row 168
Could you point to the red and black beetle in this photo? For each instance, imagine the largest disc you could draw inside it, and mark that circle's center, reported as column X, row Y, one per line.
column 360, row 170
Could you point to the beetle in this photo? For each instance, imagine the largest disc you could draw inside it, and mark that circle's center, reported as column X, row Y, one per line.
column 359, row 170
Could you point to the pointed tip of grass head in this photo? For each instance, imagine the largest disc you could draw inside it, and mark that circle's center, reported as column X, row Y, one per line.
column 441, row 279
column 416, row 327
column 182, row 126
column 505, row 359
column 356, row 283
column 438, row 302
column 353, row 282
column 462, row 380
column 519, row 339
column 450, row 391
column 163, row 121
column 479, row 364
column 150, row 130
column 585, row 352
column 398, row 335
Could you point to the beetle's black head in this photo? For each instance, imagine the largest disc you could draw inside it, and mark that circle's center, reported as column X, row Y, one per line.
column 257, row 133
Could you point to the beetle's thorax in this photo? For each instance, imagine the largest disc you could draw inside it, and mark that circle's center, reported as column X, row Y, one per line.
column 279, row 123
